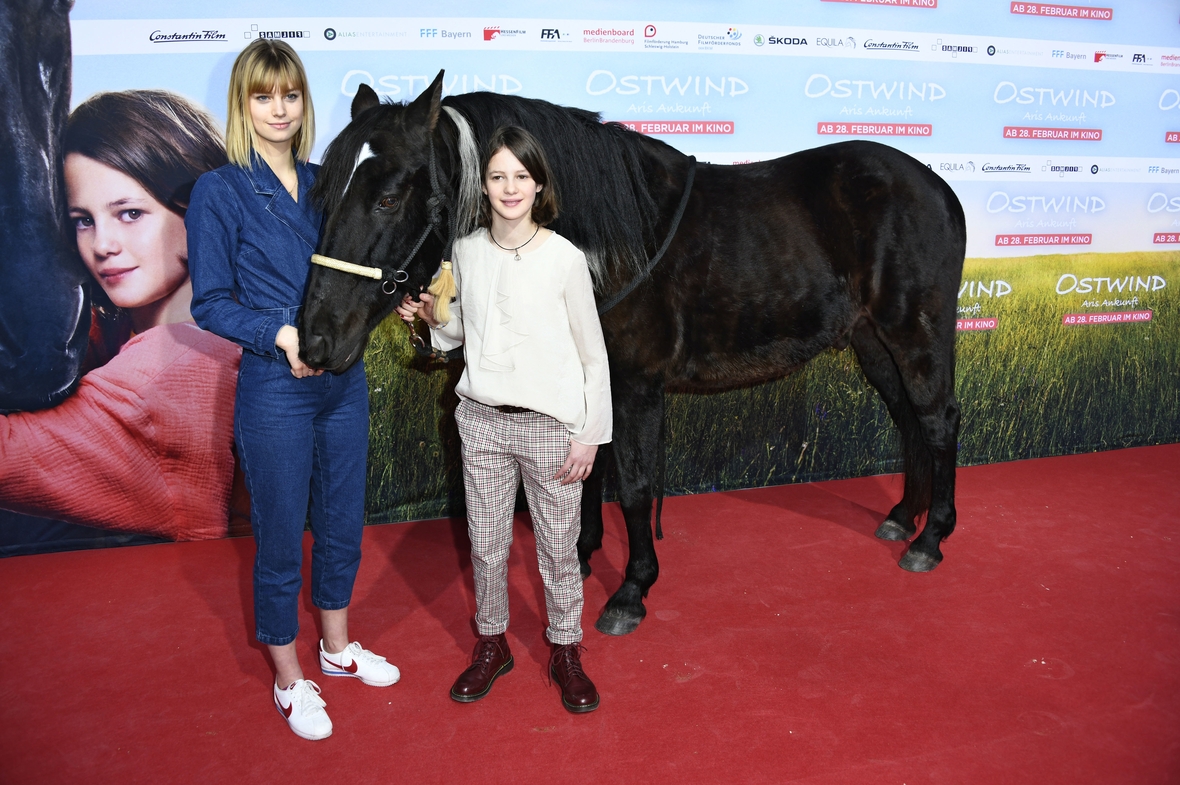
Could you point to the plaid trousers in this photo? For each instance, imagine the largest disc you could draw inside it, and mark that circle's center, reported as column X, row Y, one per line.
column 499, row 449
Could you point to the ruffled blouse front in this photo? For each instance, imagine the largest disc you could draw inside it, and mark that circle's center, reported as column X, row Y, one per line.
column 530, row 333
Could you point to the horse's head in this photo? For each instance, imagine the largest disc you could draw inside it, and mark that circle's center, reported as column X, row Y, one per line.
column 383, row 187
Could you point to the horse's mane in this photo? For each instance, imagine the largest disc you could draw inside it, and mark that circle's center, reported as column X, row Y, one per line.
column 599, row 172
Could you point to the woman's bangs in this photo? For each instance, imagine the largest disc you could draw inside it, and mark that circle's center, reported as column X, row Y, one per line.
column 265, row 78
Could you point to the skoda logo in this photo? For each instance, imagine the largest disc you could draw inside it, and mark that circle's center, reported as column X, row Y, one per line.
column 759, row 40
column 330, row 34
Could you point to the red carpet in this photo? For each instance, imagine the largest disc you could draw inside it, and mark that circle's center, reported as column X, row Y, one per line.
column 782, row 644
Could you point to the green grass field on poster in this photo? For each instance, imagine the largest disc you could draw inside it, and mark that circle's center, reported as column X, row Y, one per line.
column 1030, row 387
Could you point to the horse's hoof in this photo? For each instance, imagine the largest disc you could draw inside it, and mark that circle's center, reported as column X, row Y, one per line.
column 615, row 621
column 919, row 562
column 892, row 530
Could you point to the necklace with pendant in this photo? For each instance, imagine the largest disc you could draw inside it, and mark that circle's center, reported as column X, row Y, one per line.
column 515, row 250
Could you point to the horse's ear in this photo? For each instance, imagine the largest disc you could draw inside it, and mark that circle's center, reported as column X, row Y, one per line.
column 426, row 106
column 365, row 98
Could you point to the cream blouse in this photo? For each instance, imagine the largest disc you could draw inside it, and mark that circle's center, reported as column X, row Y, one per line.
column 530, row 333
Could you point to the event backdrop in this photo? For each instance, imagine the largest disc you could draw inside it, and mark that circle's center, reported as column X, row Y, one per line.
column 1058, row 126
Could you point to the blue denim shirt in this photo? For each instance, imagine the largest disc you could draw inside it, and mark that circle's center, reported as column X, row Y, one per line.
column 249, row 244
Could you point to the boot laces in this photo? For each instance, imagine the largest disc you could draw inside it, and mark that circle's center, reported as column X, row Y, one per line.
column 486, row 649
column 568, row 656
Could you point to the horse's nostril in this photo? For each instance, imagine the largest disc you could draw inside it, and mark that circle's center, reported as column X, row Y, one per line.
column 315, row 348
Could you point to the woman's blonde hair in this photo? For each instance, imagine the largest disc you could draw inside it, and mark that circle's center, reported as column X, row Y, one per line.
column 261, row 67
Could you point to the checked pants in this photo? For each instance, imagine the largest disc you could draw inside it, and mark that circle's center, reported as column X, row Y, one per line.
column 499, row 450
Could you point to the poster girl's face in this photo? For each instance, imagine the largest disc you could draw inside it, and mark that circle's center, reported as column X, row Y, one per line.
column 510, row 188
column 135, row 247
column 277, row 116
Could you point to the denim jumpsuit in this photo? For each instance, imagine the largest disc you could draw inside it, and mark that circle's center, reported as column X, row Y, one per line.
column 249, row 244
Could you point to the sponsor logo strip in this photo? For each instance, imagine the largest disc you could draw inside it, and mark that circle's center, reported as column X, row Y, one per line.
column 1109, row 317
column 1044, row 239
column 969, row 325
column 1057, row 134
column 875, row 129
column 1063, row 11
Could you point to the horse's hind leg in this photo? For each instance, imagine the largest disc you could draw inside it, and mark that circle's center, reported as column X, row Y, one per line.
column 882, row 373
column 925, row 358
column 639, row 412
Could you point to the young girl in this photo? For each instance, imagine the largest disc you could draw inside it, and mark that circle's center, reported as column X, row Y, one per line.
column 145, row 445
column 252, row 231
column 534, row 402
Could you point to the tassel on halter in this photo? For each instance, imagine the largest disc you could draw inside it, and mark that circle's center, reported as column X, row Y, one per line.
column 443, row 289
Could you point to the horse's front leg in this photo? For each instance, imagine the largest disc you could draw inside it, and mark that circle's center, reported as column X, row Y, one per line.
column 639, row 412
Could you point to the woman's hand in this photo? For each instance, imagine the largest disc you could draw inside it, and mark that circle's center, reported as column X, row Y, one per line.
column 288, row 341
column 578, row 463
column 424, row 308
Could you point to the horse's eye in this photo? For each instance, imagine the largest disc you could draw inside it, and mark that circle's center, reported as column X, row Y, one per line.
column 389, row 203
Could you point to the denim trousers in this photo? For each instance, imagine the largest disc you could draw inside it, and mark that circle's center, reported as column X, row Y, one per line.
column 299, row 439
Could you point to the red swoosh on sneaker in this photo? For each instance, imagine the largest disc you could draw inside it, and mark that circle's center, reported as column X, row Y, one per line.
column 286, row 711
column 348, row 668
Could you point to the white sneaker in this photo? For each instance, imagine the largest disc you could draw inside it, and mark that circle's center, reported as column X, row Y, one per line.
column 360, row 664
column 303, row 709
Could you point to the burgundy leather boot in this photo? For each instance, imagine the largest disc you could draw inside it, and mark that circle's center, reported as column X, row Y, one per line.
column 565, row 667
column 490, row 659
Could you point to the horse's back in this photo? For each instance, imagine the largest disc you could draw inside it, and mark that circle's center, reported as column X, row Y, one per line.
column 777, row 260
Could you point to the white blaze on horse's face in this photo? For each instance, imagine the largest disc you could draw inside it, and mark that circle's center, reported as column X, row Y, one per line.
column 365, row 154
column 510, row 188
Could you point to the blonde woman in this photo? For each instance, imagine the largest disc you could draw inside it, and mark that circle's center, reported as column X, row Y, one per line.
column 301, row 433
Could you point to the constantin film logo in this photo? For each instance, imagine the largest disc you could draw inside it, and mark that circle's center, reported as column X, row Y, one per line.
column 196, row 36
column 1007, row 168
column 890, row 46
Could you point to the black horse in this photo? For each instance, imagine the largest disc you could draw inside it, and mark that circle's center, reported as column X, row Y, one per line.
column 44, row 306
column 853, row 243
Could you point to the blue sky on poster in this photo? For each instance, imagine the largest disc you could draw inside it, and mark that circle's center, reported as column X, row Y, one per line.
column 957, row 115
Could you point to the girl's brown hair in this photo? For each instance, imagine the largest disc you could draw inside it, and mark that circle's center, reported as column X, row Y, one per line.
column 157, row 138
column 264, row 65
column 529, row 152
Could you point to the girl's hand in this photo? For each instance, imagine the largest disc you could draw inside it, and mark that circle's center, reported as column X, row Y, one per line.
column 424, row 308
column 578, row 463
column 288, row 341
